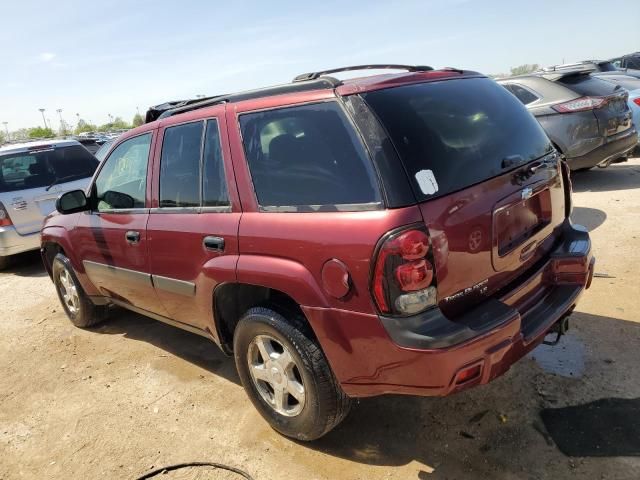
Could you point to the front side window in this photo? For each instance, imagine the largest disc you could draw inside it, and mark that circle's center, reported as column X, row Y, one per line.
column 122, row 182
column 307, row 156
column 180, row 166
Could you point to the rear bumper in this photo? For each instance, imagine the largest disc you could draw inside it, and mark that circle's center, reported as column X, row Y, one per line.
column 426, row 354
column 11, row 242
column 612, row 149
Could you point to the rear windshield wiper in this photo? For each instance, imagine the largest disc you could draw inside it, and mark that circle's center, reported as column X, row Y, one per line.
column 64, row 179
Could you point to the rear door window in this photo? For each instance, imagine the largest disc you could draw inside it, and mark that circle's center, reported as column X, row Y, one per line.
column 455, row 133
column 40, row 167
column 308, row 158
column 214, row 184
column 521, row 93
column 180, row 166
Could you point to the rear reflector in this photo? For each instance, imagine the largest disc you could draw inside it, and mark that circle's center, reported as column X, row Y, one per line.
column 467, row 374
column 580, row 104
column 637, row 101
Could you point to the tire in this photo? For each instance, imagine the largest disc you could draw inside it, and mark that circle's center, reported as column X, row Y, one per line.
column 324, row 404
column 4, row 263
column 80, row 310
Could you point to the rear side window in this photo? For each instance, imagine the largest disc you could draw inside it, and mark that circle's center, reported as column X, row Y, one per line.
column 588, row 85
column 180, row 166
column 308, row 158
column 455, row 133
column 521, row 93
column 42, row 166
column 191, row 176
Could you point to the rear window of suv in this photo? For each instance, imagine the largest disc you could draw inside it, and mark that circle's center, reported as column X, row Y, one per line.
column 308, row 158
column 588, row 85
column 455, row 133
column 41, row 167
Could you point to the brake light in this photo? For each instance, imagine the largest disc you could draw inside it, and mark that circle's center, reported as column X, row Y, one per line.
column 580, row 104
column 637, row 101
column 403, row 277
column 5, row 220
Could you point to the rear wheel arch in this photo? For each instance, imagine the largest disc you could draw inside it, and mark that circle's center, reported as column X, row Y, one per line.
column 232, row 300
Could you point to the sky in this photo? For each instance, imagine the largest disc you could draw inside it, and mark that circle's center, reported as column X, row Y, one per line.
column 112, row 56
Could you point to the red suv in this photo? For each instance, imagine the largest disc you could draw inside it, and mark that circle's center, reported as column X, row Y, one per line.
column 402, row 233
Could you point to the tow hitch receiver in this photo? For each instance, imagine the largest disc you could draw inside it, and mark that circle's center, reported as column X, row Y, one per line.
column 559, row 328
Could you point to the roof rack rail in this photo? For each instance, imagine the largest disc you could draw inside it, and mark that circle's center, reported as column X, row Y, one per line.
column 315, row 75
column 169, row 109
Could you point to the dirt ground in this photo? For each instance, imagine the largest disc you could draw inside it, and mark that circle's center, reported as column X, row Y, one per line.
column 134, row 394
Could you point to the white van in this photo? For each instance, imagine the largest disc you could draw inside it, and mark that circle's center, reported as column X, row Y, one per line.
column 32, row 176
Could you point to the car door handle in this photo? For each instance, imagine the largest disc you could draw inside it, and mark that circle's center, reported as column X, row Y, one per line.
column 132, row 237
column 214, row 243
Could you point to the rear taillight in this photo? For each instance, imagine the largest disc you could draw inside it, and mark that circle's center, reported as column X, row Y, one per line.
column 5, row 220
column 637, row 101
column 403, row 277
column 580, row 104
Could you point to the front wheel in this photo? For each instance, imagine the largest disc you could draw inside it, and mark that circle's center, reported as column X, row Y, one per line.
column 80, row 310
column 286, row 375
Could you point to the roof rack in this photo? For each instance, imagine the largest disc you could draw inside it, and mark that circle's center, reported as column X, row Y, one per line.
column 315, row 75
column 169, row 109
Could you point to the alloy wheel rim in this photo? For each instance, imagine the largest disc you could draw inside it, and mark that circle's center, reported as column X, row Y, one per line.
column 69, row 292
column 276, row 375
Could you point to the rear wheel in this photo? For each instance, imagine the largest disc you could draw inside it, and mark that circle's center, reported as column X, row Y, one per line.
column 80, row 310
column 286, row 375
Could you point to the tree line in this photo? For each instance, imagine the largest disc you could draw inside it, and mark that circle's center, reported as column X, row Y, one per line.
column 83, row 126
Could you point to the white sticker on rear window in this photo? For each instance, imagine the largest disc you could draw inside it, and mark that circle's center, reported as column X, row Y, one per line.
column 427, row 182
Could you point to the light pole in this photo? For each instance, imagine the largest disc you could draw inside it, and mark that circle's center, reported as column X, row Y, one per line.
column 43, row 119
column 62, row 126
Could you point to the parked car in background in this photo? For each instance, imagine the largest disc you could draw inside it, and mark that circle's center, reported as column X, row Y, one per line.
column 631, row 85
column 88, row 142
column 587, row 118
column 32, row 176
column 599, row 68
column 360, row 266
column 632, row 60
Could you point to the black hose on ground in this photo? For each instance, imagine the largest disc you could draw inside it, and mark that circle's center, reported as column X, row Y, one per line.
column 178, row 466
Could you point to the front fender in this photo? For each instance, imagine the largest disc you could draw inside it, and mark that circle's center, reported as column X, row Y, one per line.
column 59, row 235
column 287, row 276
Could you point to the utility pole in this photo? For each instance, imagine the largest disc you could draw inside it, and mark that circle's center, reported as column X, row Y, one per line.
column 43, row 119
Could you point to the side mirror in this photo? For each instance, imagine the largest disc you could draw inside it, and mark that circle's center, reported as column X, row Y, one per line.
column 118, row 200
column 72, row 202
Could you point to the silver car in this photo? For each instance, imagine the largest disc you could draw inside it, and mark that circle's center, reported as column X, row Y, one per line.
column 32, row 176
column 587, row 119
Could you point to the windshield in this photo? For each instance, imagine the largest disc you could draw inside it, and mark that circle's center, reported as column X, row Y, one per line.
column 40, row 168
column 455, row 133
